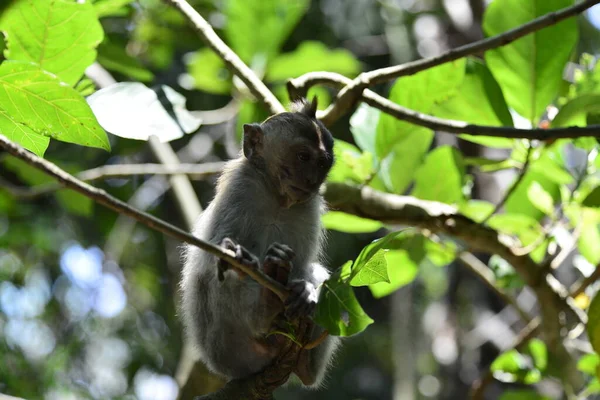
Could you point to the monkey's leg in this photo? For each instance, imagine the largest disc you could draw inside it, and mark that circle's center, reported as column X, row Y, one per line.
column 312, row 364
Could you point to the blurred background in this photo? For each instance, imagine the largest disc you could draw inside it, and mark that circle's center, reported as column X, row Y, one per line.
column 88, row 298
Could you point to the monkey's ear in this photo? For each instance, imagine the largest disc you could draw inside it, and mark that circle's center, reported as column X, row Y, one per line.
column 253, row 139
column 313, row 108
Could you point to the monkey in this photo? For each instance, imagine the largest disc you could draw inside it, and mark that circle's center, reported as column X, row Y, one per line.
column 266, row 209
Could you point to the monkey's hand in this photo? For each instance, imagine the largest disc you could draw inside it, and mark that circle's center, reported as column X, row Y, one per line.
column 277, row 265
column 241, row 255
column 302, row 300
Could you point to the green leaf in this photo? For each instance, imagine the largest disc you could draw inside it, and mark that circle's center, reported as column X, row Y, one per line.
column 312, row 56
column 209, row 72
column 539, row 353
column 519, row 203
column 363, row 125
column 350, row 164
column 441, row 177
column 477, row 210
column 505, row 274
column 37, row 99
column 574, row 113
column 529, row 70
column 406, row 156
column 338, row 310
column 418, row 92
column 114, row 57
column 592, row 199
column 250, row 38
column 540, row 198
column 22, row 134
column 478, row 100
column 134, row 111
column 588, row 364
column 106, row 8
column 349, row 223
column 593, row 325
column 528, row 368
column 402, row 260
column 489, row 165
column 526, row 228
column 522, row 395
column 589, row 241
column 59, row 35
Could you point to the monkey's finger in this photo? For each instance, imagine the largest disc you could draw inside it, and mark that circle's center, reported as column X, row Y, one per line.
column 276, row 252
column 282, row 251
column 228, row 244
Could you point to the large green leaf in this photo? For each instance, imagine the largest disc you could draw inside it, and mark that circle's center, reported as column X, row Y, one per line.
column 59, row 35
column 529, row 70
column 441, row 177
column 40, row 101
column 418, row 92
column 519, row 203
column 350, row 164
column 338, row 310
column 593, row 325
column 312, row 56
column 258, row 28
column 478, row 100
column 22, row 134
column 363, row 125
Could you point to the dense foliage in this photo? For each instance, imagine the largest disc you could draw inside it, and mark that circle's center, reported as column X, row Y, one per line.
column 78, row 321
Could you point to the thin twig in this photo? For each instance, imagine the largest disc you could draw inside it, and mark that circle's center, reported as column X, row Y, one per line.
column 229, row 57
column 348, row 96
column 299, row 86
column 480, row 270
column 151, row 221
column 194, row 171
column 514, row 185
column 579, row 287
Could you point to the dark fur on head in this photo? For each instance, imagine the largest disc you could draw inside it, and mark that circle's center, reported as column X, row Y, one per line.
column 294, row 149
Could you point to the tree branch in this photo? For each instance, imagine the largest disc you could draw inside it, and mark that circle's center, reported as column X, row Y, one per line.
column 299, row 87
column 231, row 59
column 151, row 221
column 348, row 96
column 194, row 171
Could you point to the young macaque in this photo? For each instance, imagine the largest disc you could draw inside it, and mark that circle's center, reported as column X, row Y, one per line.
column 266, row 210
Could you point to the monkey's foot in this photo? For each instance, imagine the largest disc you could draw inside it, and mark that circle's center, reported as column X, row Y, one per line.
column 278, row 262
column 242, row 255
column 302, row 300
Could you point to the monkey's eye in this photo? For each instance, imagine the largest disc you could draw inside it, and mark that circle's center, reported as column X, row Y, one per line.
column 303, row 156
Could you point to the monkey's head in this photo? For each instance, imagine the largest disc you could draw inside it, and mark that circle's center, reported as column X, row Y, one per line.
column 294, row 149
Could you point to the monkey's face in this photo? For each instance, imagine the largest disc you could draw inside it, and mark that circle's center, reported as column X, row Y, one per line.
column 296, row 151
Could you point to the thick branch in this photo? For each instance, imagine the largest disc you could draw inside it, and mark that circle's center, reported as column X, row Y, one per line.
column 231, row 59
column 151, row 221
column 351, row 93
column 299, row 86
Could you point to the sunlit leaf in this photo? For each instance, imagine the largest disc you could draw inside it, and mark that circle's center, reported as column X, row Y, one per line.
column 349, row 223
column 22, row 134
column 209, row 72
column 540, row 198
column 575, row 112
column 477, row 210
column 132, row 110
column 312, row 56
column 593, row 325
column 363, row 125
column 529, row 70
column 522, row 395
column 338, row 310
column 40, row 101
column 105, row 8
column 441, row 177
column 61, row 36
column 350, row 164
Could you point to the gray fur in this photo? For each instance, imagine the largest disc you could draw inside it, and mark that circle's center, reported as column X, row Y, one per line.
column 226, row 320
